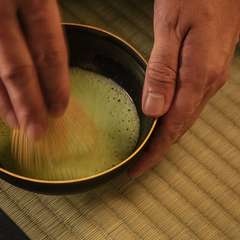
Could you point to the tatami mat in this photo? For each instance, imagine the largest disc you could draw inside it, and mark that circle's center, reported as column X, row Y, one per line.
column 194, row 193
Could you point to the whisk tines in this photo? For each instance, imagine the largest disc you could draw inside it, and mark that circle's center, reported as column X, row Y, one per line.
column 72, row 135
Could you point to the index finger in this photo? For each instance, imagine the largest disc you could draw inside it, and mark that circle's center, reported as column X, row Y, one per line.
column 18, row 74
column 42, row 27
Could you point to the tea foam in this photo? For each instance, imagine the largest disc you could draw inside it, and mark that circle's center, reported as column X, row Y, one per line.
column 114, row 128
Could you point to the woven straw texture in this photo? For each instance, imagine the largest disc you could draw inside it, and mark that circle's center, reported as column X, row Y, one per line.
column 194, row 193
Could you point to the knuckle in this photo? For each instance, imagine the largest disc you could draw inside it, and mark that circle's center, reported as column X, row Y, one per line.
column 175, row 130
column 160, row 74
column 18, row 74
column 168, row 23
column 195, row 84
column 217, row 77
column 179, row 125
column 167, row 19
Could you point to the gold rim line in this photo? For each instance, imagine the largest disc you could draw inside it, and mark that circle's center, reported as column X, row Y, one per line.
column 116, row 166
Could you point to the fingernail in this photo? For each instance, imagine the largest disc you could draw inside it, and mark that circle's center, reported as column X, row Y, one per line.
column 12, row 120
column 57, row 110
column 154, row 104
column 35, row 131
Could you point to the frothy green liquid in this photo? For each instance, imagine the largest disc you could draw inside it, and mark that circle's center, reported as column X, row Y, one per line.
column 114, row 118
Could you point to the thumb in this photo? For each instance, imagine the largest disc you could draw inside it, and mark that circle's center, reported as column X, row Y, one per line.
column 160, row 80
column 160, row 77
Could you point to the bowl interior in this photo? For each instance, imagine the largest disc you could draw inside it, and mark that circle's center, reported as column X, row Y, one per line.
column 98, row 51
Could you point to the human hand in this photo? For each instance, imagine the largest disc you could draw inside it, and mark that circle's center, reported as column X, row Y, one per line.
column 33, row 64
column 193, row 47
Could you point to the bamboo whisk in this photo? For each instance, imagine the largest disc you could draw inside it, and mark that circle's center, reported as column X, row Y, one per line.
column 70, row 136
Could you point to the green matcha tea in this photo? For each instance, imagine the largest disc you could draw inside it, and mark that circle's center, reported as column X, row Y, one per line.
column 99, row 130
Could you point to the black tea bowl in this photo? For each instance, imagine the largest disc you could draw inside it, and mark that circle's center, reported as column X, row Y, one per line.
column 97, row 50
